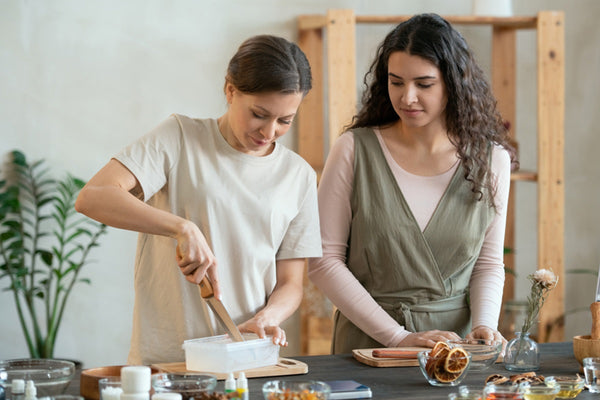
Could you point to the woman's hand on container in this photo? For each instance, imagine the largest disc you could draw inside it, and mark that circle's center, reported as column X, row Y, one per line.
column 195, row 257
column 487, row 333
column 262, row 328
column 427, row 338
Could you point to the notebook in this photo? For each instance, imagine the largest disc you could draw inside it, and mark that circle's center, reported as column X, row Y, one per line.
column 348, row 389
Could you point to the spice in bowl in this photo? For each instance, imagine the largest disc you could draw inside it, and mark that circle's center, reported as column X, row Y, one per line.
column 190, row 387
column 301, row 390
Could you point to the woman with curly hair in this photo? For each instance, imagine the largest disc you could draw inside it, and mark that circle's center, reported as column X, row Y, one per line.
column 413, row 198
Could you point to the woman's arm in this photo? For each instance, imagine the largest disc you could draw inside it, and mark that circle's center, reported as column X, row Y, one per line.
column 487, row 279
column 112, row 197
column 282, row 303
column 330, row 273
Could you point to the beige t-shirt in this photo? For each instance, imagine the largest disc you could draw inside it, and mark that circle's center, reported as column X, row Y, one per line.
column 252, row 210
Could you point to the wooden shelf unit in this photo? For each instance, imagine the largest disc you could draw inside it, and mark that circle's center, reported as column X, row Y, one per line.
column 339, row 27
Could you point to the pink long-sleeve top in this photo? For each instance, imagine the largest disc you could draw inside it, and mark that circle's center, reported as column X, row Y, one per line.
column 422, row 193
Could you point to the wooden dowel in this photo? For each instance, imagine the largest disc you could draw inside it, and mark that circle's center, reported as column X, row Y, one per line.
column 595, row 308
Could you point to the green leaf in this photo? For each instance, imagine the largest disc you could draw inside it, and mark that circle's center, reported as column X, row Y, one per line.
column 85, row 280
column 19, row 158
column 46, row 257
column 79, row 184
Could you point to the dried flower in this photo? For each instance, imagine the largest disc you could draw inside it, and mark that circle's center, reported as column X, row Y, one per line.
column 545, row 278
column 542, row 281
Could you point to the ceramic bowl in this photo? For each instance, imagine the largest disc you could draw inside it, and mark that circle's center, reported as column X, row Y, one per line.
column 300, row 390
column 51, row 377
column 569, row 386
column 584, row 346
column 188, row 386
column 434, row 371
column 484, row 352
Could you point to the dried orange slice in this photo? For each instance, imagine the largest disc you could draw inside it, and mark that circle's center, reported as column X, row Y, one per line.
column 437, row 357
column 440, row 349
column 456, row 360
column 444, row 376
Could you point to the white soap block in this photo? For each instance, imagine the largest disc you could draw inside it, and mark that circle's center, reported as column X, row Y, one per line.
column 135, row 379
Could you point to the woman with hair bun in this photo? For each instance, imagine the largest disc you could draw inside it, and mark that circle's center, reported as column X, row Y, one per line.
column 217, row 197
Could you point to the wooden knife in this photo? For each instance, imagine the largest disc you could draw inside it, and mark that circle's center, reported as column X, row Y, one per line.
column 207, row 293
column 595, row 309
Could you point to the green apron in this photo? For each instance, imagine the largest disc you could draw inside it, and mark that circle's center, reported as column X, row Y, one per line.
column 420, row 278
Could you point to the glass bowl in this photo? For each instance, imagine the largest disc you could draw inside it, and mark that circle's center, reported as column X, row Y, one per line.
column 51, row 377
column 484, row 352
column 189, row 386
column 434, row 369
column 540, row 392
column 466, row 393
column 503, row 391
column 301, row 390
column 569, row 386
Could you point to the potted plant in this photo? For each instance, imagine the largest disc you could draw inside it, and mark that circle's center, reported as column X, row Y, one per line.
column 44, row 244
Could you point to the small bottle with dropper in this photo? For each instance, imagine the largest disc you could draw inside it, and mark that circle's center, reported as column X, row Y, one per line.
column 30, row 391
column 17, row 389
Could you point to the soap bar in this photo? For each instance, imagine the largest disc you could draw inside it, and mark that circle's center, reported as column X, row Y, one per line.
column 166, row 396
column 135, row 396
column 135, row 379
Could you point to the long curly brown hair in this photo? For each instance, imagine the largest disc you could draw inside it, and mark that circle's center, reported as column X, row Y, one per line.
column 472, row 119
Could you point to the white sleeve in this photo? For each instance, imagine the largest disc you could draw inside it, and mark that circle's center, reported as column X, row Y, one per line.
column 151, row 157
column 330, row 272
column 487, row 280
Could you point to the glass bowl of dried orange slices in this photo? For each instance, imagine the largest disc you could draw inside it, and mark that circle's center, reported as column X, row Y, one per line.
column 444, row 365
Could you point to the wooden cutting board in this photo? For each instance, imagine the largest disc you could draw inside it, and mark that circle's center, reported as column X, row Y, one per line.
column 365, row 356
column 285, row 366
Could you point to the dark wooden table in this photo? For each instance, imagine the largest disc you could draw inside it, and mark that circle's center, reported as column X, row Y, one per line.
column 408, row 382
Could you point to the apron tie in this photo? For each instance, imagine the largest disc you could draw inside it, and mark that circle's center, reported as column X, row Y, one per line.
column 403, row 312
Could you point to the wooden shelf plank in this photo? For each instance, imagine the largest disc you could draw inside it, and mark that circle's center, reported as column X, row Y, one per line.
column 515, row 22
column 524, row 176
column 551, row 120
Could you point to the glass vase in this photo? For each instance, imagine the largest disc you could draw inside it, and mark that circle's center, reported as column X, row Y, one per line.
column 522, row 354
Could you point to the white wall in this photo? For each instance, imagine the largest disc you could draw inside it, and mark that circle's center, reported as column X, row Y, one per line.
column 81, row 79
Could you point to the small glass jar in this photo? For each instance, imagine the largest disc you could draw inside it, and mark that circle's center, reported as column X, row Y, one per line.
column 522, row 354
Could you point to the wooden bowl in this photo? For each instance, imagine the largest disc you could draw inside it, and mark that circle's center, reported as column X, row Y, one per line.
column 585, row 346
column 90, row 377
